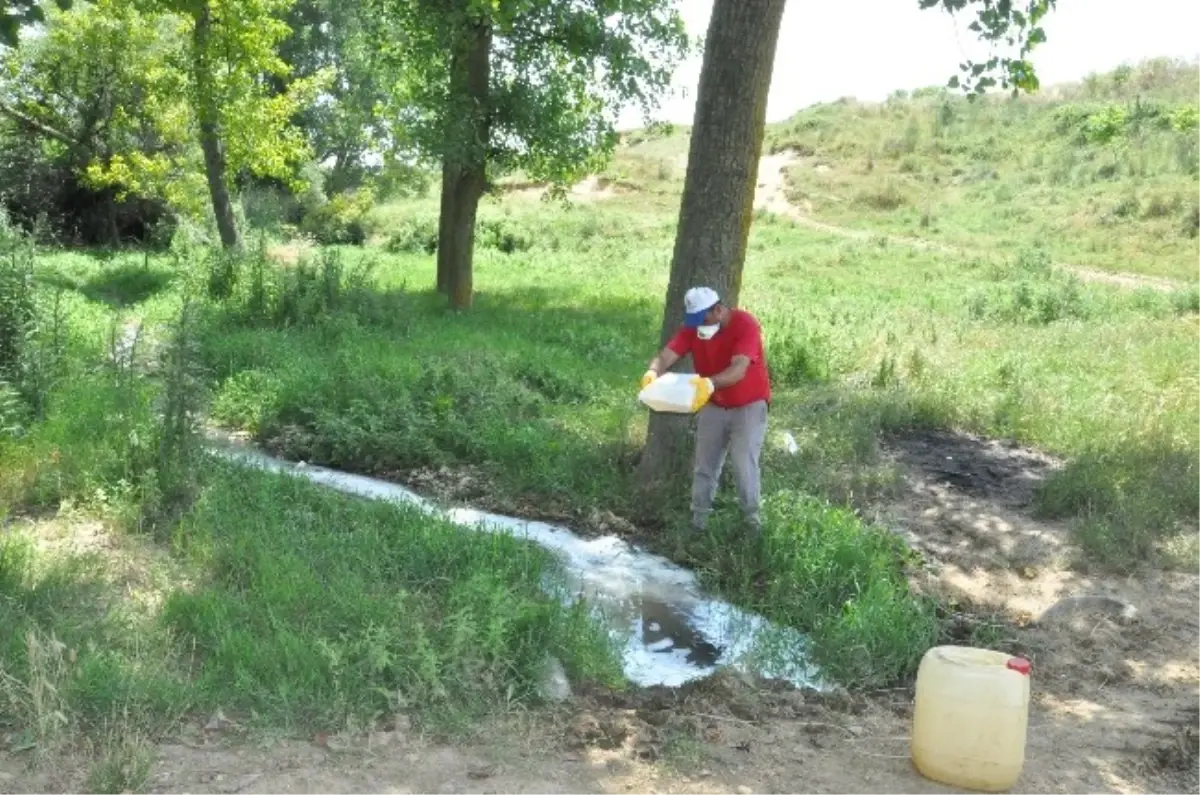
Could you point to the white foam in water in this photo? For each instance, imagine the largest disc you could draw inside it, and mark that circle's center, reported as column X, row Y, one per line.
column 671, row 631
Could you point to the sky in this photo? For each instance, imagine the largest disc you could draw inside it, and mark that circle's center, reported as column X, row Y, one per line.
column 869, row 48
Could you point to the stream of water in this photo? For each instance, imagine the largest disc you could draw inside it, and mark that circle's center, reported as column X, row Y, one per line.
column 669, row 630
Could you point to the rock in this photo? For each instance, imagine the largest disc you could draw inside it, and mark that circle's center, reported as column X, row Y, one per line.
column 554, row 685
column 480, row 772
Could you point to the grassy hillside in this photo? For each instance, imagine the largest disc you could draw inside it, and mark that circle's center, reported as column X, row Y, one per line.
column 1102, row 173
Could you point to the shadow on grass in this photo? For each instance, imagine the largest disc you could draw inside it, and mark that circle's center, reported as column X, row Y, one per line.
column 127, row 284
column 115, row 283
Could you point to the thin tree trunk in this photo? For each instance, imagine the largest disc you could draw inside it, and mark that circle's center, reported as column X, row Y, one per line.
column 461, row 191
column 718, row 196
column 210, row 133
column 464, row 165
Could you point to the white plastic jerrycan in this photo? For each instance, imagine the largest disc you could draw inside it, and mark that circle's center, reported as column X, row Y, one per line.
column 670, row 392
column 970, row 717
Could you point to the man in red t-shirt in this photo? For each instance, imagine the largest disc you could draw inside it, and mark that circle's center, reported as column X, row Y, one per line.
column 733, row 393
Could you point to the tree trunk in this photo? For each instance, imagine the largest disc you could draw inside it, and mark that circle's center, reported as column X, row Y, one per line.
column 210, row 132
column 464, row 163
column 718, row 195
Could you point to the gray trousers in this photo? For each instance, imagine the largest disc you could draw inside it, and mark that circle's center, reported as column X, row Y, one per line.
column 738, row 433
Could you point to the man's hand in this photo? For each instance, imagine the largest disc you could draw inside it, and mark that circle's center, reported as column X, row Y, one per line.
column 704, row 389
column 648, row 378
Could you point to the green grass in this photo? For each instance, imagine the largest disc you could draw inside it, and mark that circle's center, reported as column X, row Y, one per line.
column 820, row 568
column 367, row 609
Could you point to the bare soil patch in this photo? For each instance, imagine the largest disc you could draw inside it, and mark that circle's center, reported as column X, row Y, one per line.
column 593, row 188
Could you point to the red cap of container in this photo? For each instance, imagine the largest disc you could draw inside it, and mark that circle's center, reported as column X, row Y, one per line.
column 1020, row 665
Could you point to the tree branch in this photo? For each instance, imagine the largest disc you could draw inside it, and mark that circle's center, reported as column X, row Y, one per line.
column 36, row 126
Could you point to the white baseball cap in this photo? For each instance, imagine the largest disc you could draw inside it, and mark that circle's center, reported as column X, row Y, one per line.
column 696, row 305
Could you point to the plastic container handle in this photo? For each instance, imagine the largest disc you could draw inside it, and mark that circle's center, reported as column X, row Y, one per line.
column 1020, row 665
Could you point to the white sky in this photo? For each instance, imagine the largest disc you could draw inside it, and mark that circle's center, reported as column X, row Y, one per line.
column 869, row 48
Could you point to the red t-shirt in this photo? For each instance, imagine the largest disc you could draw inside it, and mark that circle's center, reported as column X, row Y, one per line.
column 741, row 336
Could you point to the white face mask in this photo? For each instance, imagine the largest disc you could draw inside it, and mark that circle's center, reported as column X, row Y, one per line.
column 708, row 332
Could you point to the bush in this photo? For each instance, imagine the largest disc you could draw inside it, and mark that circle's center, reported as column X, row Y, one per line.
column 1036, row 302
column 1189, row 221
column 796, row 356
column 31, row 326
column 503, row 235
column 419, row 234
column 416, row 234
column 885, row 198
column 341, row 220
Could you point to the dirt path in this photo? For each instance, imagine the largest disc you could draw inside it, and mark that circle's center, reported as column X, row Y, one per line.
column 771, row 196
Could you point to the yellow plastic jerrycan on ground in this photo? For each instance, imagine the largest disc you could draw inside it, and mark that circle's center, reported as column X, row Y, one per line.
column 670, row 392
column 970, row 717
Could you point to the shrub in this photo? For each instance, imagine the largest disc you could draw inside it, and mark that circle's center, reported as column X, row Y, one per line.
column 416, row 234
column 884, row 197
column 1189, row 221
column 419, row 234
column 502, row 235
column 340, row 221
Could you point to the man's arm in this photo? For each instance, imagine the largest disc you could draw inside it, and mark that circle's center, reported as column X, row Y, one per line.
column 747, row 343
column 735, row 372
column 663, row 361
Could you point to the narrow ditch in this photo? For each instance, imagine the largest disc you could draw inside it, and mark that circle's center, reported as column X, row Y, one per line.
column 670, row 632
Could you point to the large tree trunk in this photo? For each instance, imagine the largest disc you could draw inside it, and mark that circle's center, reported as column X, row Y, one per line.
column 464, row 163
column 210, row 132
column 718, row 195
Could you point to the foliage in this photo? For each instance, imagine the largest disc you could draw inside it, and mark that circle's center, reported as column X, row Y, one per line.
column 256, row 125
column 560, row 73
column 842, row 582
column 387, row 382
column 31, row 334
column 392, row 612
column 1129, row 499
column 341, row 219
column 1017, row 25
column 332, row 37
column 99, row 84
